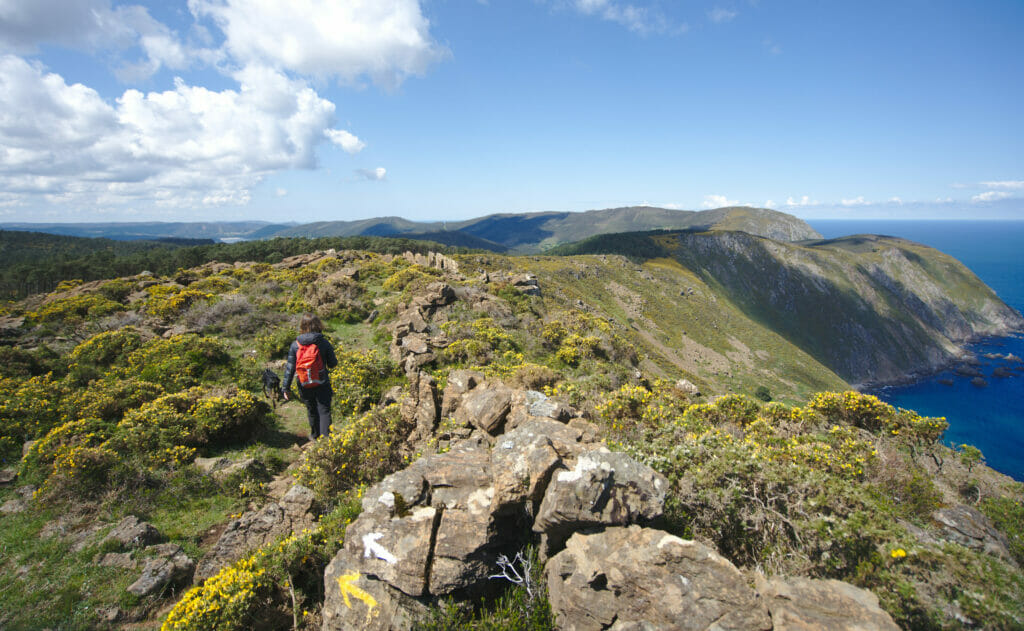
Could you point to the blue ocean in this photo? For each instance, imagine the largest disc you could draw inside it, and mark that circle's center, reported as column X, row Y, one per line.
column 990, row 418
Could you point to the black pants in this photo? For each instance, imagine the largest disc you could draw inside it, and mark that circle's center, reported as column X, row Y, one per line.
column 318, row 409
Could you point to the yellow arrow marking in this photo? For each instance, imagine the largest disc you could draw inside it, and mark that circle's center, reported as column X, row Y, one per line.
column 347, row 583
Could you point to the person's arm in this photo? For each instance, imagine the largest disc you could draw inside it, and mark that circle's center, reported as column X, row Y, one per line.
column 289, row 367
column 327, row 349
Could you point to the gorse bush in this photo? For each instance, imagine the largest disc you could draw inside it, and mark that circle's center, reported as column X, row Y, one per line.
column 476, row 341
column 170, row 301
column 180, row 362
column 360, row 379
column 252, row 592
column 361, row 450
column 74, row 309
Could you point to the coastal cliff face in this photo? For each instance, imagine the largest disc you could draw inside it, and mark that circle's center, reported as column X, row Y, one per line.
column 863, row 309
column 871, row 308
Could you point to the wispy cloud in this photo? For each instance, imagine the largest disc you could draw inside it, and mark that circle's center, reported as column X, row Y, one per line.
column 802, row 201
column 772, row 47
column 719, row 15
column 373, row 175
column 990, row 196
column 638, row 19
column 1006, row 185
column 856, row 201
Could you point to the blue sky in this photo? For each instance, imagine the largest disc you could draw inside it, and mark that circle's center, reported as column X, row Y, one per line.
column 313, row 110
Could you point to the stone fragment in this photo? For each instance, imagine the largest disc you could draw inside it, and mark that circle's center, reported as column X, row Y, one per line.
column 13, row 506
column 803, row 604
column 132, row 533
column 7, row 476
column 641, row 578
column 459, row 383
column 485, row 408
column 170, row 566
column 121, row 560
column 688, row 387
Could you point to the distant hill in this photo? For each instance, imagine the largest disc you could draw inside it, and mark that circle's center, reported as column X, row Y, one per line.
column 135, row 231
column 523, row 233
column 526, row 233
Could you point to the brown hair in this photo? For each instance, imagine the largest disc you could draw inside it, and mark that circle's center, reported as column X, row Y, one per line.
column 310, row 324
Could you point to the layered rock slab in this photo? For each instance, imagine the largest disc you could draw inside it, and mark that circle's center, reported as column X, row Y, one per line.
column 643, row 578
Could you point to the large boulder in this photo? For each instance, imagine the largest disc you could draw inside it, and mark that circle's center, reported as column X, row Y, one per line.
column 393, row 549
column 294, row 512
column 602, row 488
column 803, row 604
column 524, row 459
column 642, row 578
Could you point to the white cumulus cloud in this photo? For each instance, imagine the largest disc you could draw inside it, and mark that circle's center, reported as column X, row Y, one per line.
column 346, row 140
column 718, row 201
column 180, row 147
column 386, row 40
column 856, row 201
column 375, row 175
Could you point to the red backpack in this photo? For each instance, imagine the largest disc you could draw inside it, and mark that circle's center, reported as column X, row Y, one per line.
column 309, row 367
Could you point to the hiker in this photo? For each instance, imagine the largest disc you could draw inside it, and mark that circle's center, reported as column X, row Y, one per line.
column 309, row 360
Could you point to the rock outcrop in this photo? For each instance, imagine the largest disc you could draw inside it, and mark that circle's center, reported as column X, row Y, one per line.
column 294, row 512
column 169, row 566
column 803, row 604
column 530, row 467
column 631, row 576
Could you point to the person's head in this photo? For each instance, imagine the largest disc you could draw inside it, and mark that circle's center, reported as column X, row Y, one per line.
column 310, row 324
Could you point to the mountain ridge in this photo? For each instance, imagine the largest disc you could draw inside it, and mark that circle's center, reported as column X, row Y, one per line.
column 523, row 233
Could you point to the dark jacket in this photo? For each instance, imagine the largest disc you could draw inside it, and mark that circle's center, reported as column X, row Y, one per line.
column 326, row 354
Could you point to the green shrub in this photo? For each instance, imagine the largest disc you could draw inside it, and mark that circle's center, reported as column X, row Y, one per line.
column 170, row 301
column 361, row 450
column 116, row 290
column 29, row 408
column 179, row 362
column 360, row 380
column 258, row 591
column 74, row 309
column 476, row 341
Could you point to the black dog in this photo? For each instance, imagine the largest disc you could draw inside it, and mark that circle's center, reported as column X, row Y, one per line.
column 271, row 386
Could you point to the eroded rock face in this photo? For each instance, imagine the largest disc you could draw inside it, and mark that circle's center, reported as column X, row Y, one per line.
column 642, row 578
column 294, row 512
column 356, row 601
column 459, row 383
column 970, row 528
column 803, row 604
